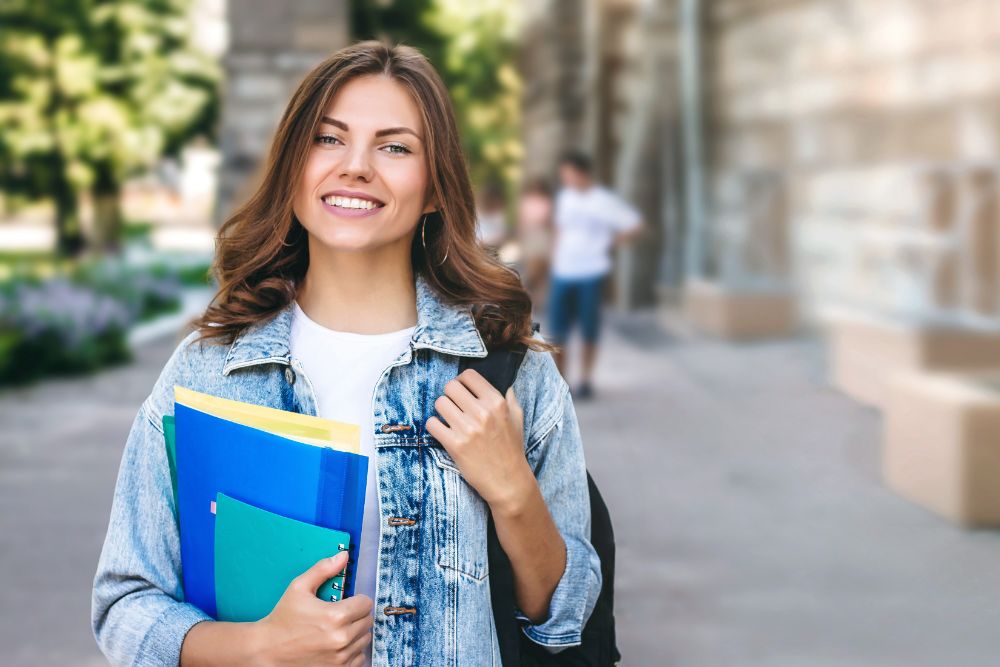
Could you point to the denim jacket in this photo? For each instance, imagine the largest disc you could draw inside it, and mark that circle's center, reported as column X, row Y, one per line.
column 434, row 568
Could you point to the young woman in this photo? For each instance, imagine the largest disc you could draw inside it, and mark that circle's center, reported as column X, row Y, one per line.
column 351, row 287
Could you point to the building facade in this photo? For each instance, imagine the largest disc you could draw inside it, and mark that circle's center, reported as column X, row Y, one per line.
column 845, row 149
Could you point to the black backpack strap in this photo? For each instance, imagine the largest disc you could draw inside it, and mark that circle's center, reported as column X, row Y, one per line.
column 599, row 646
column 500, row 367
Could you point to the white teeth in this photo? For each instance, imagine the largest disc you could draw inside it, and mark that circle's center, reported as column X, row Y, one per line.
column 350, row 202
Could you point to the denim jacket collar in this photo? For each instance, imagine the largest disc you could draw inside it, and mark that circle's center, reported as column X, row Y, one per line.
column 440, row 326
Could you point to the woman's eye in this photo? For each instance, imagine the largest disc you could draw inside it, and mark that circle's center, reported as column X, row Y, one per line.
column 327, row 139
column 397, row 149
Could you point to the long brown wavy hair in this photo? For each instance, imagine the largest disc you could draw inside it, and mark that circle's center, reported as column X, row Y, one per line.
column 262, row 250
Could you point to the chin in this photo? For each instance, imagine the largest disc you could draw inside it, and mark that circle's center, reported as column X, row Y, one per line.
column 353, row 240
column 352, row 243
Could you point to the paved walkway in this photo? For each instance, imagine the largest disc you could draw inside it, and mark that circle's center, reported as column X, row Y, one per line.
column 60, row 447
column 752, row 526
column 753, row 529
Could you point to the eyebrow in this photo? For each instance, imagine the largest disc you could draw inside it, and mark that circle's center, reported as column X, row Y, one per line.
column 379, row 133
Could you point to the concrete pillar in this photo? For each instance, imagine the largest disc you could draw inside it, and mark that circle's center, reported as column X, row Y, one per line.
column 272, row 45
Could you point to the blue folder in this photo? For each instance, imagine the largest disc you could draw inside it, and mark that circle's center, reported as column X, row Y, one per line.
column 317, row 485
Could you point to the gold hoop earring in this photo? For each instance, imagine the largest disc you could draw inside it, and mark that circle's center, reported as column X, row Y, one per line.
column 423, row 241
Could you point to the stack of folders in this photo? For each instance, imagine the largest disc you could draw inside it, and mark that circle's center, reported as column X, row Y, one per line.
column 261, row 495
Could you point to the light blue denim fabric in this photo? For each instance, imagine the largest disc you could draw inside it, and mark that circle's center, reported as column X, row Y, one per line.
column 437, row 565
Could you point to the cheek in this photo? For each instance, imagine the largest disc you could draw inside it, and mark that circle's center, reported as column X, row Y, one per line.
column 409, row 183
column 304, row 201
column 312, row 176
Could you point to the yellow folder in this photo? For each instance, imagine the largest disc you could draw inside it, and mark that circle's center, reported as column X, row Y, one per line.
column 306, row 429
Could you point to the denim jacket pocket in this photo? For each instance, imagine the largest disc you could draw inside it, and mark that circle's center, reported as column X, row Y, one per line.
column 460, row 519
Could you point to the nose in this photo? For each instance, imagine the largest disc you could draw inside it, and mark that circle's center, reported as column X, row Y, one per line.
column 357, row 164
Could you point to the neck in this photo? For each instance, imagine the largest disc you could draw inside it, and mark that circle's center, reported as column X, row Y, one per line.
column 359, row 292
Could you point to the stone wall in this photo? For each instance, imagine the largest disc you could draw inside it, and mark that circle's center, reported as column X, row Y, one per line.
column 272, row 45
column 557, row 65
column 874, row 129
column 852, row 145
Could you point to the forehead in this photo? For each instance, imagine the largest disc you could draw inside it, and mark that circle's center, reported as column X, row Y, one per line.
column 373, row 103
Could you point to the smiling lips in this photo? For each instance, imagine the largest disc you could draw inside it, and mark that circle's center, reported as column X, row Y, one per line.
column 350, row 202
column 351, row 205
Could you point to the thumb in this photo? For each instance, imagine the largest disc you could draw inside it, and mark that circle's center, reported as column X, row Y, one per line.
column 325, row 568
column 516, row 414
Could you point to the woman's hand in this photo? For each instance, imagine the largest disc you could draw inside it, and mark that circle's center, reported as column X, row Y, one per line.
column 484, row 435
column 304, row 630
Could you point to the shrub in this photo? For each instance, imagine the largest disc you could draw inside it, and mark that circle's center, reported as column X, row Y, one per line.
column 58, row 327
column 144, row 292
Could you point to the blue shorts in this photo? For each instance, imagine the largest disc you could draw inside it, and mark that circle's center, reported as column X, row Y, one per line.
column 573, row 299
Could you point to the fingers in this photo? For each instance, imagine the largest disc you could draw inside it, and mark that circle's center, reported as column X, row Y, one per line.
column 436, row 428
column 363, row 625
column 363, row 637
column 477, row 384
column 355, row 608
column 460, row 394
column 325, row 568
column 349, row 635
column 468, row 405
column 473, row 396
column 451, row 412
column 347, row 630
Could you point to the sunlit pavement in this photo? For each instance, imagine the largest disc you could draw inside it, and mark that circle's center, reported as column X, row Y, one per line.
column 752, row 527
column 60, row 446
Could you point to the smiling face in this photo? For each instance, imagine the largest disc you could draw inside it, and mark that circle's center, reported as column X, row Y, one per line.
column 365, row 182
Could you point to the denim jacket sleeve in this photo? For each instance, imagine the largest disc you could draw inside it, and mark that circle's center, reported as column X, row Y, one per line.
column 555, row 452
column 137, row 614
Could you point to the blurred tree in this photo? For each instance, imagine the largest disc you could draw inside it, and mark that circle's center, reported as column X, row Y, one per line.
column 92, row 92
column 473, row 46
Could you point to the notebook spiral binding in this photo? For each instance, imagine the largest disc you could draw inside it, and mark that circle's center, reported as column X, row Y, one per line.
column 343, row 573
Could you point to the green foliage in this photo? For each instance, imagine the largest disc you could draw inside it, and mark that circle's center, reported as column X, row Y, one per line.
column 62, row 317
column 93, row 91
column 57, row 327
column 473, row 46
column 137, row 232
column 195, row 275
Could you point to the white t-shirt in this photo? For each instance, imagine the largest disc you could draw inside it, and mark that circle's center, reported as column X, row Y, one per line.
column 343, row 369
column 587, row 222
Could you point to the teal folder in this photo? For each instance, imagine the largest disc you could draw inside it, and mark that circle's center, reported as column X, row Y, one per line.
column 258, row 553
column 170, row 440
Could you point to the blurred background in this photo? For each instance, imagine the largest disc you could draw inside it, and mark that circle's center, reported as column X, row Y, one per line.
column 795, row 417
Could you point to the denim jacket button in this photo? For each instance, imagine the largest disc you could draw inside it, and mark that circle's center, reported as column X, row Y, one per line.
column 289, row 376
column 401, row 521
column 399, row 611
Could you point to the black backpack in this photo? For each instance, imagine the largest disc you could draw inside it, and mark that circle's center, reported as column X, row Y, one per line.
column 598, row 648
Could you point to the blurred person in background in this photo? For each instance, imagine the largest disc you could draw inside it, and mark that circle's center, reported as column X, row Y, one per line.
column 491, row 218
column 351, row 285
column 590, row 220
column 534, row 236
